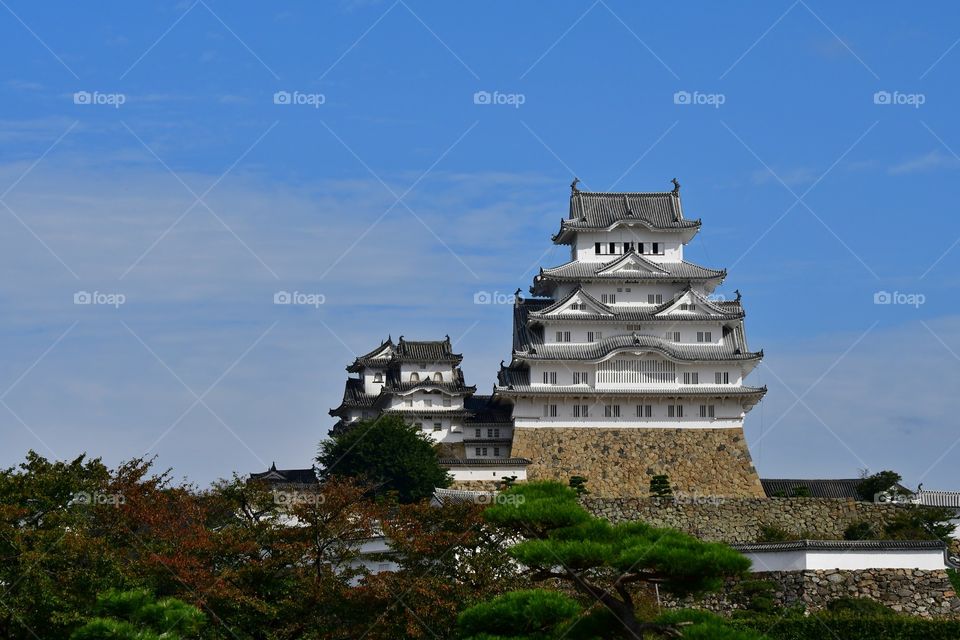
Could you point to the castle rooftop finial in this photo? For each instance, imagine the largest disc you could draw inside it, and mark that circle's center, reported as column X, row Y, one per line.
column 676, row 187
column 573, row 185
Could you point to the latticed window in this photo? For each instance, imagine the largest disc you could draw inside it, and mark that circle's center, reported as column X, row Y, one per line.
column 634, row 371
column 644, row 410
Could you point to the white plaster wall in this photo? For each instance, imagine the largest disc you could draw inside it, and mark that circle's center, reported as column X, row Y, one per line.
column 584, row 248
column 929, row 559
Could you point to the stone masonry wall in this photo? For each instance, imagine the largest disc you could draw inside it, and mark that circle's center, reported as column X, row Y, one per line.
column 621, row 462
column 741, row 520
column 927, row 594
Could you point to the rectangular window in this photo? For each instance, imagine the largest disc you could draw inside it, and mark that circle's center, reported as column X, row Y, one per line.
column 476, row 433
column 704, row 336
column 640, row 248
column 611, row 411
column 596, row 248
column 707, row 411
column 477, row 450
column 594, row 336
column 428, row 403
column 644, row 410
column 549, row 377
column 675, row 411
column 691, row 377
column 581, row 377
column 447, row 402
column 654, row 298
column 722, row 377
column 496, row 451
column 563, row 336
column 656, row 248
column 580, row 411
column 613, row 248
column 496, row 432
column 437, row 426
column 549, row 411
column 673, row 335
column 484, row 450
column 418, row 425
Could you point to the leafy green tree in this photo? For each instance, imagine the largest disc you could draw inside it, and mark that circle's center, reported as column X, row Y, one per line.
column 137, row 615
column 873, row 485
column 660, row 487
column 579, row 484
column 389, row 454
column 602, row 563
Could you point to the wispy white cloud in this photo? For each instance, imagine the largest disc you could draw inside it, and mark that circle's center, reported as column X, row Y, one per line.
column 935, row 160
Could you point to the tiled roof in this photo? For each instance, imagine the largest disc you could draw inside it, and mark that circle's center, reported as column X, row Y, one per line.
column 483, row 462
column 354, row 397
column 597, row 350
column 577, row 270
column 688, row 390
column 427, row 351
column 485, row 409
column 618, row 313
column 817, row 488
column 598, row 210
column 430, row 351
column 840, row 545
column 286, row 476
column 950, row 499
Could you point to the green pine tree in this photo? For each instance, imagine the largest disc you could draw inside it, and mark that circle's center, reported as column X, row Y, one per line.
column 604, row 564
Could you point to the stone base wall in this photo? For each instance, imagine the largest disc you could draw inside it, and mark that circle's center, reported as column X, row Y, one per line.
column 928, row 594
column 621, row 462
column 742, row 520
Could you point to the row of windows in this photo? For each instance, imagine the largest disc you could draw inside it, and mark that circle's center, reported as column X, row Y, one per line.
column 620, row 248
column 428, row 402
column 689, row 377
column 437, row 426
column 596, row 336
column 642, row 411
column 491, row 433
column 482, row 451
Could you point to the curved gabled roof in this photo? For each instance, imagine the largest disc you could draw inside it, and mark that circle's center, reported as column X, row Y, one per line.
column 657, row 211
column 431, row 351
column 607, row 346
column 725, row 310
column 576, row 270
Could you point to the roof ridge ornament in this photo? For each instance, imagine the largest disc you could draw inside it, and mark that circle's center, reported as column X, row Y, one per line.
column 626, row 205
column 636, row 338
column 573, row 186
column 739, row 295
column 676, row 187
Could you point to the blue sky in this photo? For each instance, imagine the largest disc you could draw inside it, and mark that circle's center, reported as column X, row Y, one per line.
column 389, row 191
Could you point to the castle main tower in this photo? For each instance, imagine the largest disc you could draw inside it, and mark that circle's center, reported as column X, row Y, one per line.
column 624, row 364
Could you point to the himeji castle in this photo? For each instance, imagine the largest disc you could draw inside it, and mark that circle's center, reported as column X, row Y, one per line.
column 624, row 366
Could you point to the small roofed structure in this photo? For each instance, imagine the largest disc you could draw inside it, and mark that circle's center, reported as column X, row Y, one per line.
column 286, row 478
column 816, row 488
column 848, row 555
